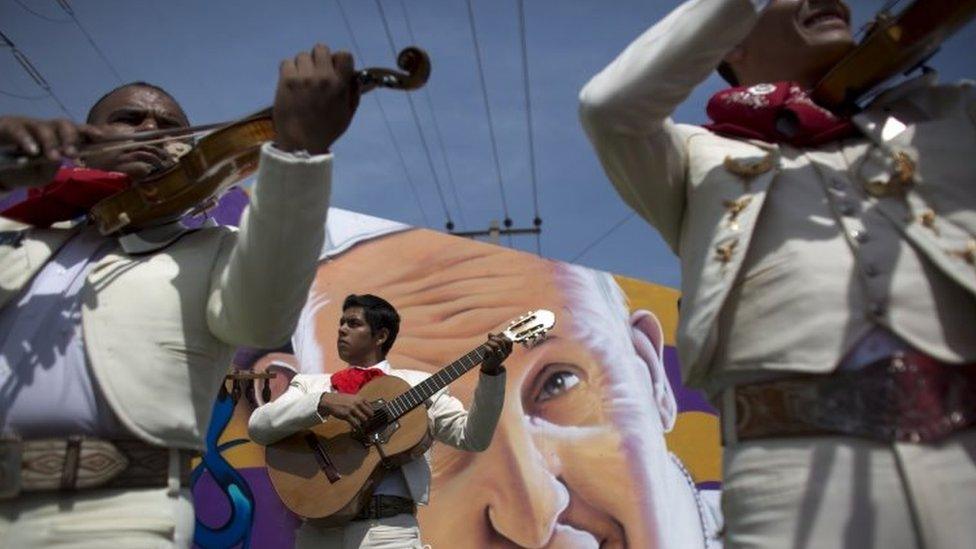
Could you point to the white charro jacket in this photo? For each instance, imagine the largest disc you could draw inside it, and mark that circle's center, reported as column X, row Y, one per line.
column 160, row 327
column 789, row 256
column 297, row 409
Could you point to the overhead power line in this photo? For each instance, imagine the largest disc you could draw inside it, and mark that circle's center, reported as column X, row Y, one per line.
column 603, row 236
column 32, row 71
column 386, row 120
column 449, row 224
column 491, row 128
column 437, row 127
column 24, row 97
column 71, row 14
column 537, row 219
column 39, row 15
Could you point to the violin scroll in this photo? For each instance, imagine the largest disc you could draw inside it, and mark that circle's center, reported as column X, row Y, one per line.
column 413, row 60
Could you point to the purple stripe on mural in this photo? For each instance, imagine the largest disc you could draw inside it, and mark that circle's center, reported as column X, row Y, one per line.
column 689, row 400
column 274, row 525
column 709, row 485
column 228, row 210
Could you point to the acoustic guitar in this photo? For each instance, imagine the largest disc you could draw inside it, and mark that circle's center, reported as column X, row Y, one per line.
column 329, row 471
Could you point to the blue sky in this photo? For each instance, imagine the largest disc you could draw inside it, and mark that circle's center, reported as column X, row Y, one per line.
column 220, row 58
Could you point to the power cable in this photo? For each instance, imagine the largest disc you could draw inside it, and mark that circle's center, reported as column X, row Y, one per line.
column 491, row 128
column 416, row 120
column 537, row 220
column 603, row 236
column 437, row 128
column 24, row 97
column 27, row 8
column 386, row 119
column 71, row 13
column 35, row 75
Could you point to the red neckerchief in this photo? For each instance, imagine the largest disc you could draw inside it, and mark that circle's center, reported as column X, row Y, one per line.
column 782, row 112
column 71, row 193
column 351, row 380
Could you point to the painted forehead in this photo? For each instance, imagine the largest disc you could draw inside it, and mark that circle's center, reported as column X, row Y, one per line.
column 480, row 289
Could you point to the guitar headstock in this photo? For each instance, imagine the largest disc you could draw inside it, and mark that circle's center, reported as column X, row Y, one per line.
column 531, row 327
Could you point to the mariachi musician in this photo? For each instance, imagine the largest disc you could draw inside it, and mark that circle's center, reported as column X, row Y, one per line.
column 828, row 265
column 112, row 348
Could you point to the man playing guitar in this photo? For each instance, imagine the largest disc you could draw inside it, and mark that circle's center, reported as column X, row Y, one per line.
column 367, row 330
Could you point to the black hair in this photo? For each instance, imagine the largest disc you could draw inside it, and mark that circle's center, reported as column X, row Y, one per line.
column 725, row 71
column 136, row 84
column 379, row 314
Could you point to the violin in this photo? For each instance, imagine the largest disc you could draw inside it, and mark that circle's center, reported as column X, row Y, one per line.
column 892, row 45
column 218, row 160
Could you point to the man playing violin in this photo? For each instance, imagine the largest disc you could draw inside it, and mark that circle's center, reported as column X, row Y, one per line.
column 368, row 328
column 112, row 348
column 827, row 270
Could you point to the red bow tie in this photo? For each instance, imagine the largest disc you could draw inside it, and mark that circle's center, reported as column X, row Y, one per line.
column 781, row 112
column 71, row 193
column 351, row 380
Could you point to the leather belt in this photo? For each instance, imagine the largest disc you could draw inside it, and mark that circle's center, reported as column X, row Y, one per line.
column 81, row 463
column 908, row 397
column 382, row 506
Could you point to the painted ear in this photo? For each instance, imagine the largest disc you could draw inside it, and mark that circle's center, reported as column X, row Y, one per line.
column 648, row 339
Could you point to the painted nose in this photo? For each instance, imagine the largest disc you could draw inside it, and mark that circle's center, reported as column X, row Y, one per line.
column 527, row 498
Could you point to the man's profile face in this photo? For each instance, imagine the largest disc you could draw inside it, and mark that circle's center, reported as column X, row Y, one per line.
column 574, row 459
column 136, row 109
column 804, row 37
column 356, row 340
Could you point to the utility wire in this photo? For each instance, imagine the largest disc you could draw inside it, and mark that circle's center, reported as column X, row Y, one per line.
column 491, row 128
column 603, row 236
column 27, row 8
column 437, row 127
column 416, row 121
column 537, row 220
column 71, row 13
column 31, row 71
column 386, row 120
column 24, row 97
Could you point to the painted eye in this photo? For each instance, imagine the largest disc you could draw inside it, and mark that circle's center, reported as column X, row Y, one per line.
column 557, row 384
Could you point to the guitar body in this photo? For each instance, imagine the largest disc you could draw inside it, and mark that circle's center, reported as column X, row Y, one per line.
column 334, row 480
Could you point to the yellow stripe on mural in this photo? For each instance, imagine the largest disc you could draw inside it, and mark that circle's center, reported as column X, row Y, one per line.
column 660, row 300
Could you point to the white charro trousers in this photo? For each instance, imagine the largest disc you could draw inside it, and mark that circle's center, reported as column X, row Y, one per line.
column 398, row 532
column 847, row 492
column 98, row 519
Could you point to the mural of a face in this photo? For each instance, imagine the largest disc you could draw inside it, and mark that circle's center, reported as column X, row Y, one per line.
column 579, row 457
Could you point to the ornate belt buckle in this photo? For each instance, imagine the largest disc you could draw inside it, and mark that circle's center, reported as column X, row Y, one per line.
column 11, row 451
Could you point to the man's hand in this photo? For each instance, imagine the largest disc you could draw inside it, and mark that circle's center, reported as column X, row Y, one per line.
column 499, row 347
column 48, row 140
column 316, row 98
column 350, row 408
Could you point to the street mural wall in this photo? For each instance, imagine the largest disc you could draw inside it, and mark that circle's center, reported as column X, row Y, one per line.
column 599, row 443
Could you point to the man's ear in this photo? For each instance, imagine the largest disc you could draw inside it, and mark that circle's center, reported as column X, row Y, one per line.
column 382, row 335
column 648, row 339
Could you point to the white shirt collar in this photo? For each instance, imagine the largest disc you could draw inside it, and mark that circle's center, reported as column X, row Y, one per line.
column 384, row 366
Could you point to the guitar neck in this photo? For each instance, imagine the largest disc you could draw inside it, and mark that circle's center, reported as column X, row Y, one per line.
column 444, row 377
